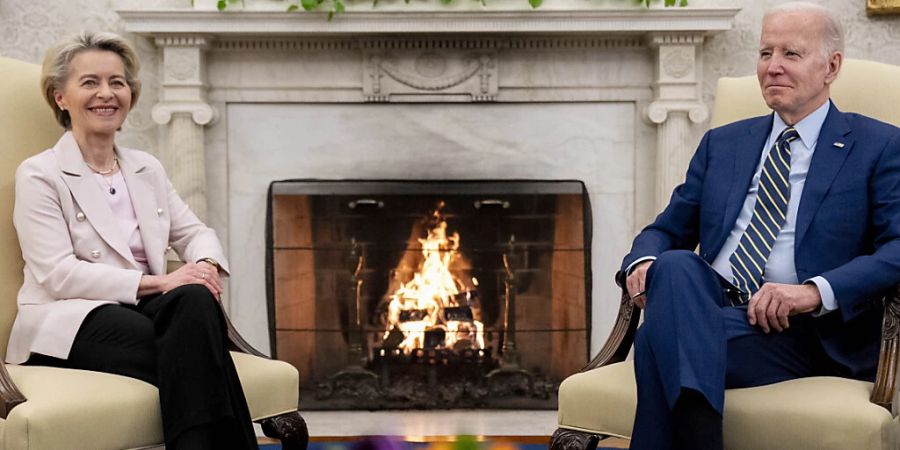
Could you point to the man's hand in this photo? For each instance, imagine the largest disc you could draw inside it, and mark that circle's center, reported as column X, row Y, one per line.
column 771, row 306
column 635, row 283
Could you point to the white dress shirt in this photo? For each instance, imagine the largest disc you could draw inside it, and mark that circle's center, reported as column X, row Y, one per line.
column 780, row 264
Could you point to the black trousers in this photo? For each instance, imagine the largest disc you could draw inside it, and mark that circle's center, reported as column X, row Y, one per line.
column 177, row 342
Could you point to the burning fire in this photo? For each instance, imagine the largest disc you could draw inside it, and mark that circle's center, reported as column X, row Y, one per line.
column 435, row 308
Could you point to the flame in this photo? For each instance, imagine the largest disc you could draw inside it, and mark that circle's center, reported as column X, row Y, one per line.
column 432, row 290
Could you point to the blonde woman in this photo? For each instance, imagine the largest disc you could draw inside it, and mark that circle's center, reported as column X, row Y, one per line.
column 94, row 221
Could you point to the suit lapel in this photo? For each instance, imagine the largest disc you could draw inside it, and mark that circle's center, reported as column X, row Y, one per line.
column 139, row 179
column 90, row 196
column 827, row 160
column 746, row 158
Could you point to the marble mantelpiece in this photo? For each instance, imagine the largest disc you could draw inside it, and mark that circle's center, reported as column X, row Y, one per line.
column 606, row 96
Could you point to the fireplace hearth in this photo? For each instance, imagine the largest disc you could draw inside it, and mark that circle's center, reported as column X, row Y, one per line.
column 429, row 294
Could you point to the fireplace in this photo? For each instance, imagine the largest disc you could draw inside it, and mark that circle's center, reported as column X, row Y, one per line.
column 609, row 94
column 429, row 294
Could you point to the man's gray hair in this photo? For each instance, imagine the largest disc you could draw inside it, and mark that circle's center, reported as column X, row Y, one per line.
column 833, row 32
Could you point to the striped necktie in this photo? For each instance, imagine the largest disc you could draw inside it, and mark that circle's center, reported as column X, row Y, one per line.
column 749, row 259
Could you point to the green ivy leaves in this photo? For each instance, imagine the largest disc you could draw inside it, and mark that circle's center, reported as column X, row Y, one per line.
column 222, row 4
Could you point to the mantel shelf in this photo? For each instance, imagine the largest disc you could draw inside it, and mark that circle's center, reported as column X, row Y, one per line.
column 270, row 23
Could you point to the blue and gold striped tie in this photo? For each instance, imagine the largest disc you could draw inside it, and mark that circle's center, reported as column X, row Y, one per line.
column 749, row 259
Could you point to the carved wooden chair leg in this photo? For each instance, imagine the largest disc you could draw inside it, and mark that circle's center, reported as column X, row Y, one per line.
column 290, row 428
column 564, row 439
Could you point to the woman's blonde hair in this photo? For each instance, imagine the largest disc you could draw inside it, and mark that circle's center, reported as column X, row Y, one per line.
column 58, row 59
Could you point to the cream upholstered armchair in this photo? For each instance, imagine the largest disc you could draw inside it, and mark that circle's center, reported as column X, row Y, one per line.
column 822, row 413
column 52, row 408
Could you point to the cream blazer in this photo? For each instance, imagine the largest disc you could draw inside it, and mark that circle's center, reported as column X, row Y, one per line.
column 76, row 257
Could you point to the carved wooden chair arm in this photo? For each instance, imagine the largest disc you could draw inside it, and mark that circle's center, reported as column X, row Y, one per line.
column 10, row 396
column 887, row 379
column 618, row 344
column 237, row 342
column 884, row 392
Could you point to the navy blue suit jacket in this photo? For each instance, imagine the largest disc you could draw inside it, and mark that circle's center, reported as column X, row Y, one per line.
column 848, row 222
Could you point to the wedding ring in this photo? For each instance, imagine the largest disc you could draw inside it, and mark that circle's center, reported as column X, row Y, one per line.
column 635, row 296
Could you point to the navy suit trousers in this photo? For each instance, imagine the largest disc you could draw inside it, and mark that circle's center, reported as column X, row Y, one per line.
column 692, row 338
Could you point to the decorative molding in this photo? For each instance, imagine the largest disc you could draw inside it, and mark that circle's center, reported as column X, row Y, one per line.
column 572, row 43
column 424, row 43
column 263, row 23
column 201, row 113
column 660, row 39
column 410, row 73
column 284, row 44
column 658, row 111
column 678, row 63
column 181, row 66
column 190, row 40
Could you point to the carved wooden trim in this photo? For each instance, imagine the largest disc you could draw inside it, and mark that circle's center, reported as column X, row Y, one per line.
column 565, row 439
column 886, row 380
column 290, row 428
column 9, row 393
column 620, row 338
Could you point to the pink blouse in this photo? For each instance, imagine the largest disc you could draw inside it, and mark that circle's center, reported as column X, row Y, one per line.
column 123, row 210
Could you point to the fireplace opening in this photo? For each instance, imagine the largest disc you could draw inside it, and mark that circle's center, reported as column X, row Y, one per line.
column 429, row 294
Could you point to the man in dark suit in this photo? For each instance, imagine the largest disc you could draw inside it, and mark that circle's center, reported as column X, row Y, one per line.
column 797, row 219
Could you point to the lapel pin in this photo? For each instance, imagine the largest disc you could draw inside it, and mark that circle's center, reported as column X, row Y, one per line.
column 839, row 144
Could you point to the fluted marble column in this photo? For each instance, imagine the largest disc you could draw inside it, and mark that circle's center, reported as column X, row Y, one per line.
column 184, row 111
column 676, row 105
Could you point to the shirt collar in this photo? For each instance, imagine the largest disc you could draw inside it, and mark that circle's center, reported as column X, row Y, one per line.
column 808, row 128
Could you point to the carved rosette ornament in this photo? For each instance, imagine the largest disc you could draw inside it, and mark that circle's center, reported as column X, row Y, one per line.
column 678, row 62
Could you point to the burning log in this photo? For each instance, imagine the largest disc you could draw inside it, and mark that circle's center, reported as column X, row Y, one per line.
column 437, row 308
